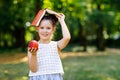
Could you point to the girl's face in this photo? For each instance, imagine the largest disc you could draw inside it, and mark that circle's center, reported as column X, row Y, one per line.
column 45, row 30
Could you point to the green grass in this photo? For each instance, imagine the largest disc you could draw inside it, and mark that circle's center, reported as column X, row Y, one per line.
column 13, row 71
column 90, row 67
column 105, row 67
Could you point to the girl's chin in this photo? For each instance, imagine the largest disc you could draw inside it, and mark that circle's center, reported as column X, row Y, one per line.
column 44, row 38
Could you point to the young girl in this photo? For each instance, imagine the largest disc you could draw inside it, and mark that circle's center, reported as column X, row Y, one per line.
column 45, row 63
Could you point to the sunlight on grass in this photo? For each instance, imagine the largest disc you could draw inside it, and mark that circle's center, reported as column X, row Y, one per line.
column 77, row 65
column 13, row 71
column 103, row 67
column 22, row 78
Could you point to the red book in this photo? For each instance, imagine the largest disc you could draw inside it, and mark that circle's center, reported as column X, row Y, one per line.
column 38, row 17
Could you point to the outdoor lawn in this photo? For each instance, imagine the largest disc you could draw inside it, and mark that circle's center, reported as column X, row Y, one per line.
column 77, row 65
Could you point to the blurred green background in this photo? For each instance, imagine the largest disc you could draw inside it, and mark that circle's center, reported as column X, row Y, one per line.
column 94, row 26
column 91, row 22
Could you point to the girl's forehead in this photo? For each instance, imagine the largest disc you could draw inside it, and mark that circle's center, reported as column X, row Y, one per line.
column 46, row 22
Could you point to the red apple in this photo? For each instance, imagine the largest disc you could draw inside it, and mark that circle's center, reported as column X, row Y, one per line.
column 33, row 44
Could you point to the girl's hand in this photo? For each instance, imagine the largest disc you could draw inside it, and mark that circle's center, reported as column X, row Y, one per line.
column 33, row 51
column 60, row 17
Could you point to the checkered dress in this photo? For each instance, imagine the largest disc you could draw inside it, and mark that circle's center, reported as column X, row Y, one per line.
column 48, row 60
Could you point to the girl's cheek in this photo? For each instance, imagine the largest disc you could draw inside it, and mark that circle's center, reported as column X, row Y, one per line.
column 39, row 32
column 49, row 31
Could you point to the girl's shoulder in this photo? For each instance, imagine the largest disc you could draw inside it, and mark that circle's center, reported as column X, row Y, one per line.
column 54, row 43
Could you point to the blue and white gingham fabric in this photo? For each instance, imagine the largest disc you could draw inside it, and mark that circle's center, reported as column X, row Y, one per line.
column 47, row 77
column 48, row 60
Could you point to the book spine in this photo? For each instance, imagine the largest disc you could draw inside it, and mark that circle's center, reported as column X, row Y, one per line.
column 36, row 20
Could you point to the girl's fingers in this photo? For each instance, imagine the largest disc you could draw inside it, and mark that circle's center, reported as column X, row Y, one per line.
column 33, row 50
column 61, row 17
column 29, row 49
column 60, row 14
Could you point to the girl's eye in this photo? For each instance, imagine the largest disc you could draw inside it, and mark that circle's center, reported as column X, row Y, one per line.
column 45, row 27
column 48, row 28
column 41, row 27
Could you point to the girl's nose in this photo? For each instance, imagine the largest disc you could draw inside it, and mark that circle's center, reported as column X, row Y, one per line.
column 45, row 30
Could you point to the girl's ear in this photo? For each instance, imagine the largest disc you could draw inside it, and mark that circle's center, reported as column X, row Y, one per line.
column 37, row 28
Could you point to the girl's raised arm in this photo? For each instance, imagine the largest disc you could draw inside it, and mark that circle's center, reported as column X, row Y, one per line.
column 65, row 32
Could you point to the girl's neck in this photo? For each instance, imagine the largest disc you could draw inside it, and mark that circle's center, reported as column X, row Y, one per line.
column 44, row 41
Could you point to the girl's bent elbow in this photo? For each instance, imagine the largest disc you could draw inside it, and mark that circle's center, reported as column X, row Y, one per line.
column 68, row 39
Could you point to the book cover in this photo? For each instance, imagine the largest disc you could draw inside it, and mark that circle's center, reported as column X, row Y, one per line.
column 38, row 17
